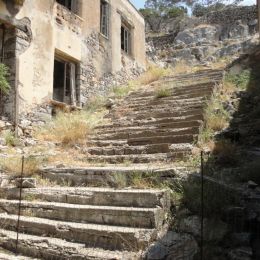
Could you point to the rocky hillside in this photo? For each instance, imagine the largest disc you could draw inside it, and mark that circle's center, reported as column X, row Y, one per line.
column 207, row 39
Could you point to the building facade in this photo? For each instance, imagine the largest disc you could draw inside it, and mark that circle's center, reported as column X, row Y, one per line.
column 67, row 50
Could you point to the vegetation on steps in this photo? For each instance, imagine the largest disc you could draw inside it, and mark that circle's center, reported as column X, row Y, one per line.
column 4, row 73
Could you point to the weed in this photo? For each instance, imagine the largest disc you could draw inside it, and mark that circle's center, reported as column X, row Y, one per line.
column 241, row 80
column 13, row 166
column 153, row 74
column 10, row 138
column 163, row 92
column 95, row 103
column 119, row 180
column 70, row 128
column 4, row 73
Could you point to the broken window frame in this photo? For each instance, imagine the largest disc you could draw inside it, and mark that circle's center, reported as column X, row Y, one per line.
column 126, row 38
column 104, row 18
column 69, row 81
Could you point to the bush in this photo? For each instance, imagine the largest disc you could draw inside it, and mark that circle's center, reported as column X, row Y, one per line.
column 4, row 73
column 241, row 81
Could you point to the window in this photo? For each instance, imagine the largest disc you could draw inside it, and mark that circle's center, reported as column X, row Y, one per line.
column 72, row 5
column 126, row 39
column 64, row 81
column 104, row 18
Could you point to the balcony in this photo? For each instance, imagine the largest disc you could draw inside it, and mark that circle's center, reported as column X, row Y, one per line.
column 66, row 18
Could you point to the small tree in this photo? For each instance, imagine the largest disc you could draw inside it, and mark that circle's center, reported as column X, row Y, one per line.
column 4, row 73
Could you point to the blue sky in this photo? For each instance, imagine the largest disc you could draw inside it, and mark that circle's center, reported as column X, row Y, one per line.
column 140, row 3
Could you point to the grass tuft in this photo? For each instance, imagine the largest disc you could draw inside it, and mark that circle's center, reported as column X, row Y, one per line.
column 70, row 128
column 163, row 92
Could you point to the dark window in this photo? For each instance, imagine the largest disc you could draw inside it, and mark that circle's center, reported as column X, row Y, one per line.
column 66, row 3
column 126, row 39
column 104, row 18
column 64, row 89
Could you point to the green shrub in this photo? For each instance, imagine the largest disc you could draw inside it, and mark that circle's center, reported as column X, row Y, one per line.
column 241, row 80
column 4, row 73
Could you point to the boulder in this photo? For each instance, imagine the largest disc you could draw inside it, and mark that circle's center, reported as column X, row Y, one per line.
column 25, row 183
column 173, row 246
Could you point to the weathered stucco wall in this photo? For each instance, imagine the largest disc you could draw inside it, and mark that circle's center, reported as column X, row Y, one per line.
column 55, row 30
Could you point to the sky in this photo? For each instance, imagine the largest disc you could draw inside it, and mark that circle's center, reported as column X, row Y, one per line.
column 140, row 3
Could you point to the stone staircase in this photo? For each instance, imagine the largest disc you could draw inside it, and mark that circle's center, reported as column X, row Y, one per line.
column 73, row 218
column 146, row 129
column 83, row 223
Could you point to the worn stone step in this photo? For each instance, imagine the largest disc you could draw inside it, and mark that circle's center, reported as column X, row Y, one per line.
column 148, row 198
column 49, row 248
column 180, row 103
column 142, row 149
column 96, row 236
column 175, row 93
column 129, row 133
column 157, row 109
column 169, row 100
column 138, row 158
column 7, row 255
column 187, row 138
column 141, row 115
column 145, row 149
column 173, row 125
column 103, row 176
column 104, row 215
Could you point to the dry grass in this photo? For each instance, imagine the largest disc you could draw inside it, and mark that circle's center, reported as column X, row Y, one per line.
column 163, row 92
column 70, row 128
column 13, row 166
column 153, row 74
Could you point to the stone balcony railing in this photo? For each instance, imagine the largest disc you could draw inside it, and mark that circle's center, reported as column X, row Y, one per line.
column 66, row 18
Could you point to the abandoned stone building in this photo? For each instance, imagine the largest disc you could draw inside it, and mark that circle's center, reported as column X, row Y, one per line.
column 67, row 50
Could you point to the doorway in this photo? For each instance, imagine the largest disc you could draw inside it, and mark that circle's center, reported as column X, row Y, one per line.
column 64, row 82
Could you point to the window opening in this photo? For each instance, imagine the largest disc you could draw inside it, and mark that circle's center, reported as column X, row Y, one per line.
column 126, row 39
column 64, row 82
column 104, row 18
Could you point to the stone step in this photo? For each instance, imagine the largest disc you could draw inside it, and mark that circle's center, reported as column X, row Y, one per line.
column 7, row 255
column 158, row 109
column 138, row 129
column 106, row 175
column 48, row 248
column 143, row 140
column 172, row 125
column 168, row 100
column 148, row 198
column 187, row 138
column 145, row 149
column 141, row 115
column 174, row 92
column 139, row 158
column 180, row 103
column 96, row 236
column 104, row 215
column 129, row 133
